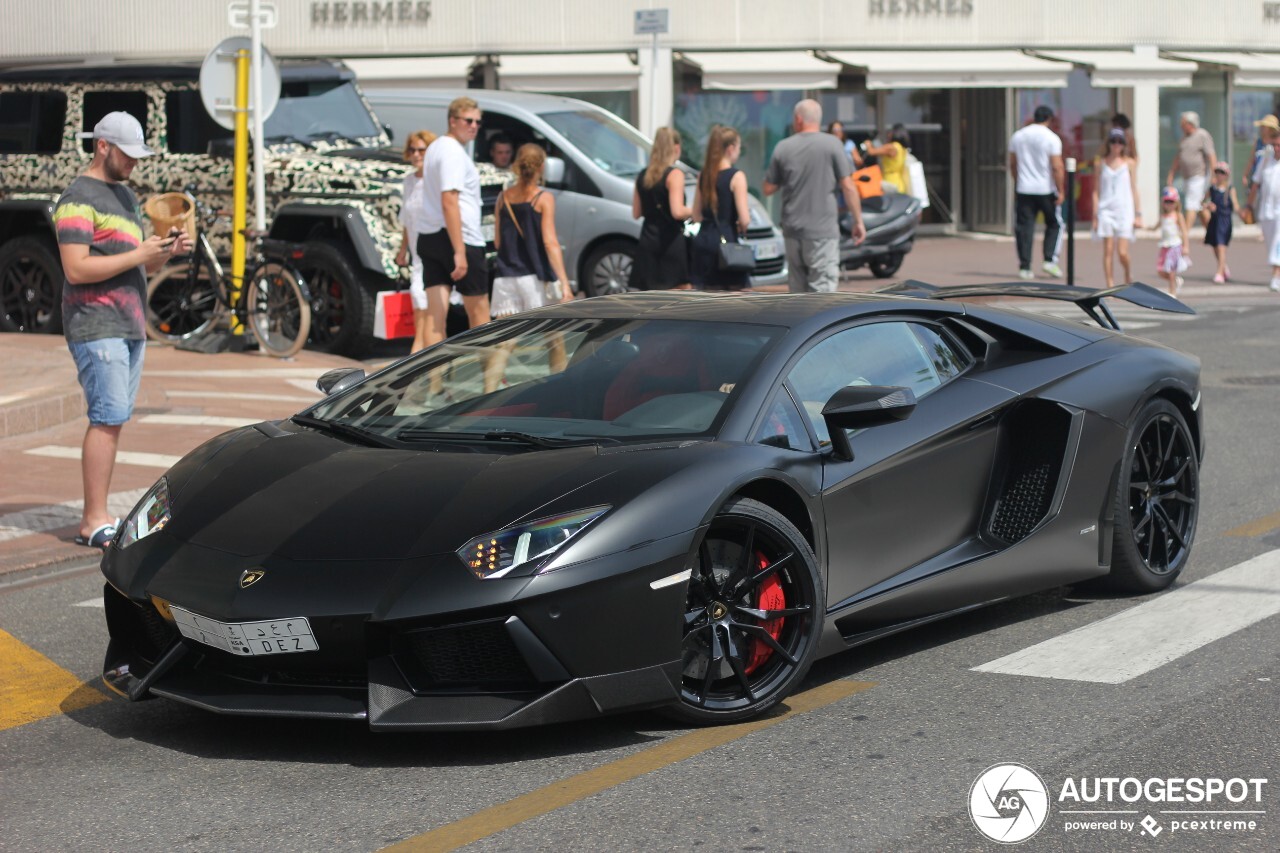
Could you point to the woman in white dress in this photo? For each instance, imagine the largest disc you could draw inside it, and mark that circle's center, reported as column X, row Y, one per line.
column 415, row 151
column 1115, row 205
column 1264, row 199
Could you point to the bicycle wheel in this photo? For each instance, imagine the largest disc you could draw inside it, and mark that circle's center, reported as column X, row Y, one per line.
column 180, row 305
column 278, row 309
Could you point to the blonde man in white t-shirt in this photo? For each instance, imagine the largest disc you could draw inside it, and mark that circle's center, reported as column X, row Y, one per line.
column 452, row 244
column 1035, row 164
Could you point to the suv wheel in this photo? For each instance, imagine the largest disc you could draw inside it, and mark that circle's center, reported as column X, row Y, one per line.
column 341, row 306
column 607, row 270
column 30, row 286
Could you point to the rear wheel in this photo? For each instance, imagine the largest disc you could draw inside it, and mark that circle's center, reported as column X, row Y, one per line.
column 752, row 618
column 180, row 306
column 30, row 286
column 341, row 306
column 1157, row 501
column 607, row 270
column 279, row 310
column 884, row 266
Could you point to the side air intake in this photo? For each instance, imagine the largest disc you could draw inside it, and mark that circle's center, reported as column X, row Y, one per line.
column 1033, row 445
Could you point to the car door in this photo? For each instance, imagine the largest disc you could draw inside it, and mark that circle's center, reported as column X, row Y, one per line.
column 914, row 488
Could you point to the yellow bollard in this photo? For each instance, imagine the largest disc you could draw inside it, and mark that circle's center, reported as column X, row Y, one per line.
column 240, row 193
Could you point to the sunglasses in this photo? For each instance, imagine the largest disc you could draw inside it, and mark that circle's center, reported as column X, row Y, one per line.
column 422, row 150
column 474, row 121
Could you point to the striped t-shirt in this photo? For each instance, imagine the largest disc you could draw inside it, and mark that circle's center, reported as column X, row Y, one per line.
column 105, row 217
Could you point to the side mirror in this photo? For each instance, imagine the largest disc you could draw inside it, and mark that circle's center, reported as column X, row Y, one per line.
column 862, row 406
column 338, row 379
column 553, row 172
column 391, row 134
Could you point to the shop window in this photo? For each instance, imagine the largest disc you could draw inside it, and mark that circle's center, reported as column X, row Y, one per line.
column 98, row 104
column 1207, row 96
column 927, row 116
column 190, row 127
column 32, row 122
column 1082, row 117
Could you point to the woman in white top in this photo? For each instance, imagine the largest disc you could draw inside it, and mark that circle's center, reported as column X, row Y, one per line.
column 415, row 151
column 1264, row 200
column 1115, row 205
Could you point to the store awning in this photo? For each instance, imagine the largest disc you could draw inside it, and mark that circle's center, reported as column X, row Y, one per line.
column 1248, row 69
column 568, row 72
column 1123, row 68
column 747, row 71
column 954, row 69
column 432, row 72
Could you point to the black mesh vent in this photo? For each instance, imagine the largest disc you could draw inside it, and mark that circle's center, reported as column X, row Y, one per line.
column 139, row 625
column 1034, row 440
column 475, row 653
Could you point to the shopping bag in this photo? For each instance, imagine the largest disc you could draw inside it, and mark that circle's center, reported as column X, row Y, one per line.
column 915, row 172
column 867, row 180
column 393, row 316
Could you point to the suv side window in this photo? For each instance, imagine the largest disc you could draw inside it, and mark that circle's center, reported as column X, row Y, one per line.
column 494, row 123
column 98, row 104
column 191, row 128
column 32, row 122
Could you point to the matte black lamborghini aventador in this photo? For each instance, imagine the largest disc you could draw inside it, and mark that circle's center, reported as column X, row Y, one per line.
column 654, row 500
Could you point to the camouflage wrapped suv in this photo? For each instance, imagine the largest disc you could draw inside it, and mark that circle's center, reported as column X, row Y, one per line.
column 332, row 183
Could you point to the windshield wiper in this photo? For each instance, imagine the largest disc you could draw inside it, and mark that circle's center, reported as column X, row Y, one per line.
column 331, row 136
column 364, row 436
column 498, row 435
column 288, row 138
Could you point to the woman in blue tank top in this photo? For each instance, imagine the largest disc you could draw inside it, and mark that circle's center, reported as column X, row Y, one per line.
column 530, row 263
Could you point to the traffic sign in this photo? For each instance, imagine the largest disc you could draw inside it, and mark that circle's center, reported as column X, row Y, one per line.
column 238, row 15
column 218, row 81
column 651, row 21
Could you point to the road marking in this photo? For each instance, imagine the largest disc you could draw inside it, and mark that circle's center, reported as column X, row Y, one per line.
column 236, row 395
column 548, row 798
column 1257, row 527
column 311, row 373
column 92, row 602
column 198, row 420
column 1150, row 635
column 33, row 687
column 124, row 457
column 56, row 516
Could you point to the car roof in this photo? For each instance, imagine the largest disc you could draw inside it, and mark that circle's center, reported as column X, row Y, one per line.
column 530, row 102
column 134, row 72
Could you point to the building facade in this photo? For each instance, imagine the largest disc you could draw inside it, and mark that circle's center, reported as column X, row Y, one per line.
column 962, row 75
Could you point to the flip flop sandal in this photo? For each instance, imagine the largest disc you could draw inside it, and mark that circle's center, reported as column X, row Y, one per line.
column 99, row 538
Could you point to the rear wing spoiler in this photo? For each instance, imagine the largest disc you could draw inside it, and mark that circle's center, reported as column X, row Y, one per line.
column 1089, row 299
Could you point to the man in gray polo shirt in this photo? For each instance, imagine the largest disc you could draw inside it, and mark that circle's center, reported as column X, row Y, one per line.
column 808, row 167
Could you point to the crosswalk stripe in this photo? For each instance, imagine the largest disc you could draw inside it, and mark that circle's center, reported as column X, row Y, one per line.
column 237, row 395
column 124, row 457
column 1154, row 633
column 38, row 519
column 91, row 602
column 33, row 687
column 198, row 420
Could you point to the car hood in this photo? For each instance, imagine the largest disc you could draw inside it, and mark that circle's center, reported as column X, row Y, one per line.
column 305, row 495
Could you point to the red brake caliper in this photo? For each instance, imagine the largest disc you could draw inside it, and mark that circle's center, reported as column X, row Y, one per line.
column 770, row 597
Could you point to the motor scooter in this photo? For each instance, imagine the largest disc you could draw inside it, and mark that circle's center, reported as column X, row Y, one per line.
column 891, row 221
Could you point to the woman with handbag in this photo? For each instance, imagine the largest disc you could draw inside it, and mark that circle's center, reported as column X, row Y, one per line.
column 415, row 152
column 719, row 260
column 662, row 254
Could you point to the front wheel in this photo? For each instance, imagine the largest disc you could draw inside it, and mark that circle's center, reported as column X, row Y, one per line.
column 279, row 310
column 607, row 270
column 884, row 266
column 1157, row 501
column 753, row 615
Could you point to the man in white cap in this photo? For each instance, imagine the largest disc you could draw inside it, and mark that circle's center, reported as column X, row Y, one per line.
column 106, row 261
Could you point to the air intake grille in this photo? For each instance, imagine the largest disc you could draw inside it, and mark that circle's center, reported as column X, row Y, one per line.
column 1034, row 443
column 1024, row 503
column 476, row 653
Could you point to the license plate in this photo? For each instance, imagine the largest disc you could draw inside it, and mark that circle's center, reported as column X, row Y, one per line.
column 273, row 637
column 767, row 250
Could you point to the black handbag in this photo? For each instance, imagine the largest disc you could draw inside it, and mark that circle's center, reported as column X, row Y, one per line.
column 736, row 257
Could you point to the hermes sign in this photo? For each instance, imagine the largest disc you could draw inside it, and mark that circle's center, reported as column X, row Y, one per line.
column 920, row 8
column 369, row 13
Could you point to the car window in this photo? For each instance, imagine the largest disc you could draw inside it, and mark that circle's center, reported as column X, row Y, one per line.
column 98, row 104
column 910, row 355
column 190, row 127
column 783, row 425
column 32, row 122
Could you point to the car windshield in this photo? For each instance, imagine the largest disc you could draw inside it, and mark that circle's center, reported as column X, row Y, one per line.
column 610, row 143
column 557, row 381
column 320, row 110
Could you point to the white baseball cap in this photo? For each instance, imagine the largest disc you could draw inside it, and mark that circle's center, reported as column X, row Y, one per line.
column 123, row 131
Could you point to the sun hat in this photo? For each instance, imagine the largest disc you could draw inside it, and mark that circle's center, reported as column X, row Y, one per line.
column 123, row 131
column 1169, row 194
column 1268, row 121
column 1116, row 135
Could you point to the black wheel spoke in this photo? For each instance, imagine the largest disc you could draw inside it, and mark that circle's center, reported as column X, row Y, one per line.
column 1167, row 523
column 735, row 663
column 761, row 576
column 713, row 665
column 768, row 639
column 770, row 615
column 692, row 616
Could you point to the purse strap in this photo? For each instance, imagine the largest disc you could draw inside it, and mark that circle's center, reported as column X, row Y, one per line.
column 511, row 212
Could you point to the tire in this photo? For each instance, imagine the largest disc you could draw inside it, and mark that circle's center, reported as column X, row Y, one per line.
column 30, row 286
column 341, row 306
column 884, row 266
column 1156, row 503
column 607, row 270
column 751, row 562
column 279, row 310
column 178, row 308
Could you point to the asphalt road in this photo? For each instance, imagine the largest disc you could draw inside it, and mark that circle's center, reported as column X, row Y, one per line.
column 879, row 751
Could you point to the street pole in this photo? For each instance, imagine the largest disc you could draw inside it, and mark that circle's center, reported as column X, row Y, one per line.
column 259, row 177
column 1071, row 220
column 240, row 188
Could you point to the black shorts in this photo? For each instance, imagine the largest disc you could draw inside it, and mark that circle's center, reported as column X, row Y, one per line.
column 436, row 252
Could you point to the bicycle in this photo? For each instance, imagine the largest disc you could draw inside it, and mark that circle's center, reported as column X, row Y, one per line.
column 190, row 298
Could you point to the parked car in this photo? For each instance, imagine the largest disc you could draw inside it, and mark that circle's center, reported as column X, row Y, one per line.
column 654, row 500
column 331, row 183
column 595, row 158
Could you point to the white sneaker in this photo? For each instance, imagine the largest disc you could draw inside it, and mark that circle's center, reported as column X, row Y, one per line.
column 1275, row 285
column 1028, row 274
column 1052, row 270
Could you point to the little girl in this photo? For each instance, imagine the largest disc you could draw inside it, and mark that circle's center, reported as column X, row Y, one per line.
column 1222, row 203
column 1175, row 246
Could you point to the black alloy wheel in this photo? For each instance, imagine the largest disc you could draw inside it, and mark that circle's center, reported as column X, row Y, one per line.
column 30, row 286
column 1157, row 501
column 341, row 306
column 753, row 615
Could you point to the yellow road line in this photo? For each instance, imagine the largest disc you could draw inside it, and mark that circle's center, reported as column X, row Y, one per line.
column 33, row 687
column 1257, row 527
column 547, row 799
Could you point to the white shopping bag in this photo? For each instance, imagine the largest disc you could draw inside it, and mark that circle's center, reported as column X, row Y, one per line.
column 915, row 173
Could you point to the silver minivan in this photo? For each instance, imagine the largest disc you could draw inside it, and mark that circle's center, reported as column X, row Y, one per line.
column 594, row 158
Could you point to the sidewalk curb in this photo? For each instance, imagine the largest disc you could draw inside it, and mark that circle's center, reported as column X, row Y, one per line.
column 21, row 416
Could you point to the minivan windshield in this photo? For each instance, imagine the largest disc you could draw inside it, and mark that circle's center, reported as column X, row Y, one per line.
column 609, row 142
column 320, row 110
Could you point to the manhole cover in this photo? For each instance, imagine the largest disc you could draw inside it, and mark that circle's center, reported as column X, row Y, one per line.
column 1252, row 380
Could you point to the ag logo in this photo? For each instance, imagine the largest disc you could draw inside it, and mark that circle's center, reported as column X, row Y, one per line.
column 250, row 576
column 1008, row 803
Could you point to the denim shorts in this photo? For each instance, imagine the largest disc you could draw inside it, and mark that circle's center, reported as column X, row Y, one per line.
column 109, row 372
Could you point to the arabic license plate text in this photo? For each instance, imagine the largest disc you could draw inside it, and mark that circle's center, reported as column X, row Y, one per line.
column 273, row 637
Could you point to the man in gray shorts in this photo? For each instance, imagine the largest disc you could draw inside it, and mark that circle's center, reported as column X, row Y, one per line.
column 808, row 167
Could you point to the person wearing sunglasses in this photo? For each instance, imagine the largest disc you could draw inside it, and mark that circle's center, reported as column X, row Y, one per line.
column 1115, row 202
column 415, row 152
column 1264, row 193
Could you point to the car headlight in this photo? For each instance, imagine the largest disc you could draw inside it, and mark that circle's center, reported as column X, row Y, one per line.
column 151, row 514
column 527, row 546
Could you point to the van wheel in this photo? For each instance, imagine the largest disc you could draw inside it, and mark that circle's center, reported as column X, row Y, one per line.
column 607, row 270
column 341, row 306
column 30, row 286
